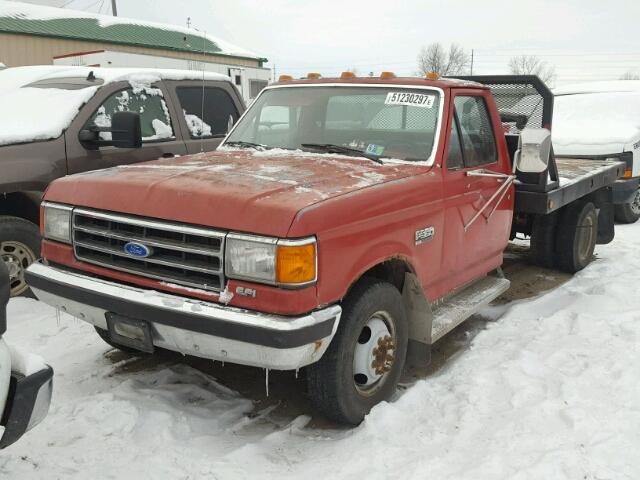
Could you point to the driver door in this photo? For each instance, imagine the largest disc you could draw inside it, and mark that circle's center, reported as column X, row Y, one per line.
column 477, row 226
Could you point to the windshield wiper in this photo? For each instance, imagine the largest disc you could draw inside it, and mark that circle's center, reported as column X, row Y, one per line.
column 331, row 148
column 243, row 144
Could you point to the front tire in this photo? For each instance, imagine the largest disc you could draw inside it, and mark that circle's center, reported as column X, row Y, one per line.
column 363, row 364
column 628, row 212
column 19, row 248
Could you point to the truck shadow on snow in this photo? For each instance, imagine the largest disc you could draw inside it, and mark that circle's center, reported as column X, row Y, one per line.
column 287, row 397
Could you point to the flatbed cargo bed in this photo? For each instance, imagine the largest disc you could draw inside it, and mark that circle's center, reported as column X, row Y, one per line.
column 577, row 176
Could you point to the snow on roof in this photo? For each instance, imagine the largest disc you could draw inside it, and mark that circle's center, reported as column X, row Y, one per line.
column 602, row 86
column 31, row 19
column 583, row 122
column 30, row 114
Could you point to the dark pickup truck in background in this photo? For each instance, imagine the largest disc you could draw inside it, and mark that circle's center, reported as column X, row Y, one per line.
column 57, row 121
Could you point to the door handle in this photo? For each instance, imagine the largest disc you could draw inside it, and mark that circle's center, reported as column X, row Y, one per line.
column 168, row 155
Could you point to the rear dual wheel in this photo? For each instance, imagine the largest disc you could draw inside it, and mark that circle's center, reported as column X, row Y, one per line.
column 363, row 363
column 566, row 239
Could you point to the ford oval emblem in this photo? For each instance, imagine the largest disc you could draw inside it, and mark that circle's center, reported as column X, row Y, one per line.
column 136, row 249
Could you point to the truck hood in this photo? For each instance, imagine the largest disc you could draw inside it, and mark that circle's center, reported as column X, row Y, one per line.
column 242, row 190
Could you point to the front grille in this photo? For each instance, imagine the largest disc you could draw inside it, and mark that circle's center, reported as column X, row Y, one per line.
column 181, row 254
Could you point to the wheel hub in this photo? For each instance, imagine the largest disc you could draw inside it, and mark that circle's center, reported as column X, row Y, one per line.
column 17, row 256
column 374, row 353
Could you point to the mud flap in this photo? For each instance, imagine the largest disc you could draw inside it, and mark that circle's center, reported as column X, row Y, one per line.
column 606, row 224
column 420, row 318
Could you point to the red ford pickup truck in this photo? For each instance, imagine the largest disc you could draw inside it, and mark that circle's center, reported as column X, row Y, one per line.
column 342, row 224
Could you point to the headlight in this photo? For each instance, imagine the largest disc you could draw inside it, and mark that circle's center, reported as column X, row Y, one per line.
column 269, row 260
column 57, row 222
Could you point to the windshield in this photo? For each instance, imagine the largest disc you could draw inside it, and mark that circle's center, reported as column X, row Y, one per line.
column 380, row 122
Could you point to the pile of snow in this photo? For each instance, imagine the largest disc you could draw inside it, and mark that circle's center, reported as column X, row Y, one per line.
column 547, row 389
column 40, row 12
column 30, row 114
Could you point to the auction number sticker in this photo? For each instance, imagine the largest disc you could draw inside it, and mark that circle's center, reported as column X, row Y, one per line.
column 410, row 99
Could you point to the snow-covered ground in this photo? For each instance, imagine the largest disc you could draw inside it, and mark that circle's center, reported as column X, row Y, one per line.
column 546, row 389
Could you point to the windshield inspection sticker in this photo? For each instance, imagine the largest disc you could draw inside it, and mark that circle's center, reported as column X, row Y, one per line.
column 373, row 149
column 410, row 99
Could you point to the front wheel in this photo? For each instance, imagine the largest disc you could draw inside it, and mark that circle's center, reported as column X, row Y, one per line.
column 19, row 248
column 629, row 212
column 363, row 364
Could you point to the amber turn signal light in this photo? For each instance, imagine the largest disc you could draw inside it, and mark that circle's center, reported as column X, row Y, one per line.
column 296, row 264
column 627, row 173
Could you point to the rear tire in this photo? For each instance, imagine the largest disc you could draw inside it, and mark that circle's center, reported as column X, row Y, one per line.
column 104, row 335
column 542, row 246
column 628, row 212
column 19, row 248
column 363, row 363
column 577, row 235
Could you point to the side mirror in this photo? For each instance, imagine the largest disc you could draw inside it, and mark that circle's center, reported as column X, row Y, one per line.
column 534, row 150
column 125, row 130
column 534, row 163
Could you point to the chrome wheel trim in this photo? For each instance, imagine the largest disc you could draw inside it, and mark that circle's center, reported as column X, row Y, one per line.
column 17, row 257
column 374, row 353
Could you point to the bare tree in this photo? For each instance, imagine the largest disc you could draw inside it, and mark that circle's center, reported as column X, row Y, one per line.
column 630, row 75
column 435, row 58
column 532, row 65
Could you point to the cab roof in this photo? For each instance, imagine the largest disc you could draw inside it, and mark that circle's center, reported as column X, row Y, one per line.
column 443, row 83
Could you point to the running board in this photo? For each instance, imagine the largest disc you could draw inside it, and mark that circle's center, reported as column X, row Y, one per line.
column 462, row 305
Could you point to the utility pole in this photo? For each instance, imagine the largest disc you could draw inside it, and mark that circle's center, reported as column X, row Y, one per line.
column 114, row 8
column 471, row 60
column 274, row 72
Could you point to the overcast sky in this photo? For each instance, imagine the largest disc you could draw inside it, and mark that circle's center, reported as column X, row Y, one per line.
column 584, row 39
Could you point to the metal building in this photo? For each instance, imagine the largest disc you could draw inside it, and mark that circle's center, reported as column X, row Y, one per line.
column 38, row 35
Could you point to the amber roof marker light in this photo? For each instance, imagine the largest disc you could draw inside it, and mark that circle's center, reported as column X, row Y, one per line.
column 346, row 75
column 432, row 75
column 285, row 78
column 313, row 76
column 387, row 75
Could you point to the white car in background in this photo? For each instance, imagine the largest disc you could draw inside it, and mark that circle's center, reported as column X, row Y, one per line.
column 25, row 381
column 602, row 120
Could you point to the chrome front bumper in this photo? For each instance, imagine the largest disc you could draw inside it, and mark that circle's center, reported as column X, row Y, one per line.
column 190, row 326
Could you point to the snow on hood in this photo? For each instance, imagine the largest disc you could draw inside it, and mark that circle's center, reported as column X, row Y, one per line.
column 30, row 114
column 595, row 123
column 234, row 190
